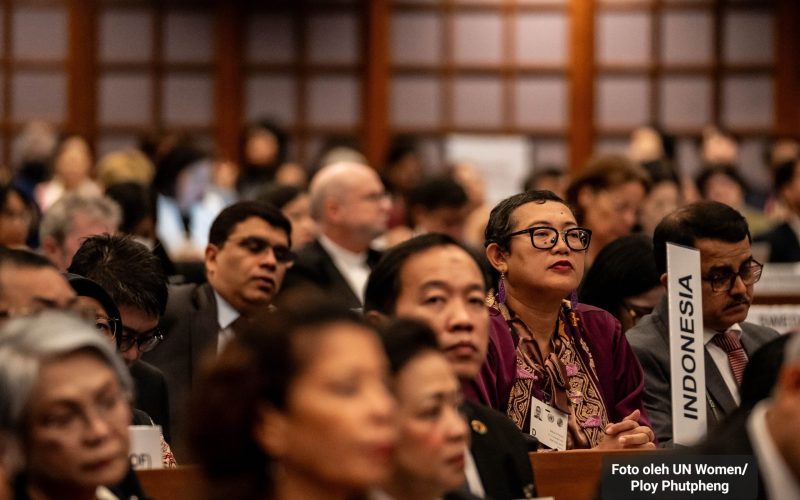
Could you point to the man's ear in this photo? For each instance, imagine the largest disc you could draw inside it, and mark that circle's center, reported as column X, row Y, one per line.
column 376, row 318
column 271, row 430
column 663, row 279
column 52, row 250
column 211, row 258
column 497, row 257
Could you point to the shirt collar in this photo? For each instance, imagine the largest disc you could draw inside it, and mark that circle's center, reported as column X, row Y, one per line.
column 708, row 333
column 226, row 314
column 342, row 254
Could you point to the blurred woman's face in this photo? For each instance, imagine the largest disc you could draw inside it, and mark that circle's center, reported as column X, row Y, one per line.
column 73, row 164
column 337, row 428
column 662, row 199
column 15, row 221
column 611, row 213
column 77, row 426
column 530, row 271
column 433, row 434
column 261, row 148
column 304, row 227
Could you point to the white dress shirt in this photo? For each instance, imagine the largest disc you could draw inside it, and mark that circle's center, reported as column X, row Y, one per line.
column 779, row 482
column 353, row 266
column 720, row 358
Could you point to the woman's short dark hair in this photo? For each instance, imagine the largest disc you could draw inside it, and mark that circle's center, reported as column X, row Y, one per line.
column 623, row 268
column 270, row 350
column 383, row 285
column 404, row 339
column 501, row 221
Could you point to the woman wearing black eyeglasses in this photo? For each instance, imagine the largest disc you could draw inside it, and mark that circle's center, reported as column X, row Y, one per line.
column 562, row 371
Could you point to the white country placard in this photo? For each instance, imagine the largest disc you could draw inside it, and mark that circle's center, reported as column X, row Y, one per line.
column 686, row 347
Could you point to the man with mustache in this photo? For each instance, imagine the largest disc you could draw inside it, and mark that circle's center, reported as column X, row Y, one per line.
column 246, row 259
column 728, row 272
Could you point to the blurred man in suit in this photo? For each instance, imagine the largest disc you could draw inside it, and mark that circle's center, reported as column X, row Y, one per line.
column 350, row 203
column 245, row 261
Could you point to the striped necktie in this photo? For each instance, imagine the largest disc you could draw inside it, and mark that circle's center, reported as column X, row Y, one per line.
column 730, row 343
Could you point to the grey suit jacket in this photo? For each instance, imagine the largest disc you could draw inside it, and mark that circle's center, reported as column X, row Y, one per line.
column 190, row 329
column 650, row 341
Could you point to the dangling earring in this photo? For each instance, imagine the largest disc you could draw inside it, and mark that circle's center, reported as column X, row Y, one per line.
column 500, row 296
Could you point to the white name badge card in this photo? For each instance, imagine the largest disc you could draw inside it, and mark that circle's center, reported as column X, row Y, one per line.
column 686, row 346
column 548, row 425
column 145, row 452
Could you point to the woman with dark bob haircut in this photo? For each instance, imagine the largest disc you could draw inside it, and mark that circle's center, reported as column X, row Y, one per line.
column 624, row 280
column 296, row 406
column 551, row 355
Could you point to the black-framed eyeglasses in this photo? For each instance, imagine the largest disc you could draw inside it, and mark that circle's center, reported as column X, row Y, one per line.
column 545, row 238
column 106, row 325
column 146, row 341
column 723, row 281
column 256, row 245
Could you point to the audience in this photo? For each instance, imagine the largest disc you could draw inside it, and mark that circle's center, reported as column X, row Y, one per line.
column 607, row 196
column 432, row 434
column 547, row 345
column 290, row 387
column 66, row 405
column 350, row 204
column 295, row 204
column 296, row 406
column 245, row 261
column 623, row 280
column 438, row 280
column 72, row 219
column 728, row 272
column 784, row 238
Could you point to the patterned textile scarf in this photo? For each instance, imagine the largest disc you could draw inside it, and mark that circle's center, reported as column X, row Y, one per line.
column 566, row 379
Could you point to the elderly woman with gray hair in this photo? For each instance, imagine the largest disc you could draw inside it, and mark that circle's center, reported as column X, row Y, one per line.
column 65, row 405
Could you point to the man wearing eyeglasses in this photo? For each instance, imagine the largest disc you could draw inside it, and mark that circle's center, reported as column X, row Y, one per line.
column 133, row 277
column 728, row 272
column 246, row 259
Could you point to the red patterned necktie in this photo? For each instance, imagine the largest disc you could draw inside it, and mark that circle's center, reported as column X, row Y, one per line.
column 730, row 343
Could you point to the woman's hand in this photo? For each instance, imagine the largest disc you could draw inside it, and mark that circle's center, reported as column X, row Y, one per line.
column 628, row 434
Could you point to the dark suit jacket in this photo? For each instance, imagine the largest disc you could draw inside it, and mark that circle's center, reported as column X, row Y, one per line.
column 650, row 341
column 190, row 329
column 500, row 453
column 783, row 244
column 152, row 395
column 315, row 268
